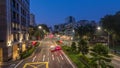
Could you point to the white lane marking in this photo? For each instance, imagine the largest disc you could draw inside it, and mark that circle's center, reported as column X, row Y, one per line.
column 68, row 59
column 48, row 53
column 61, row 56
column 48, row 59
column 52, row 57
column 12, row 65
column 43, row 57
column 58, row 60
column 18, row 64
column 33, row 59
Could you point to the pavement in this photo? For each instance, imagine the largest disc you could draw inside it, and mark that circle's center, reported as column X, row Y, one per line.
column 116, row 61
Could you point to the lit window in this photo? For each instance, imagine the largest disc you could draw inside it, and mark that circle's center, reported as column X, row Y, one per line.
column 13, row 25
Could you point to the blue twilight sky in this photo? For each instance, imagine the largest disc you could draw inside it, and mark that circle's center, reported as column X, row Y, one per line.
column 53, row 12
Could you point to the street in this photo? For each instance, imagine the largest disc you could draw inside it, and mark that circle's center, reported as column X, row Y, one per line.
column 44, row 58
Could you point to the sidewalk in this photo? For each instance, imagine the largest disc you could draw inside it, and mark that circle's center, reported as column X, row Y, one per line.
column 116, row 61
column 11, row 62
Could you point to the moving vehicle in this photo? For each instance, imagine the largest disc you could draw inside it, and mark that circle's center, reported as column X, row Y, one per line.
column 55, row 48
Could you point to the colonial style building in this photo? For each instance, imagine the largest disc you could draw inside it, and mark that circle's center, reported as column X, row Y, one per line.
column 14, row 20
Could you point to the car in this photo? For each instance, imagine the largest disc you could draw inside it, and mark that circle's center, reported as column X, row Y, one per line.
column 58, row 47
column 52, row 48
column 55, row 48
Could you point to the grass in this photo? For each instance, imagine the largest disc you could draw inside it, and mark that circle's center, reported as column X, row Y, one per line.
column 74, row 57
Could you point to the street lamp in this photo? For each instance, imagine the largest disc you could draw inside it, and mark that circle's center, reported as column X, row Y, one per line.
column 99, row 28
column 40, row 27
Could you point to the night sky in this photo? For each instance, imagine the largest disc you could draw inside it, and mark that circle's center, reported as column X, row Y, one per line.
column 52, row 12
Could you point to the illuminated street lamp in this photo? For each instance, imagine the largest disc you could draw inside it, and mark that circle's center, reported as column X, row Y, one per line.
column 99, row 28
column 40, row 27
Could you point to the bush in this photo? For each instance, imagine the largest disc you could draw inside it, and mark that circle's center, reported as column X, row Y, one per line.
column 37, row 44
column 74, row 57
column 73, row 47
column 27, row 53
column 66, row 48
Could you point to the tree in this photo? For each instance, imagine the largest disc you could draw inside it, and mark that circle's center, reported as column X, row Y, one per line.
column 100, row 57
column 85, row 30
column 111, row 23
column 73, row 47
column 45, row 27
column 83, row 47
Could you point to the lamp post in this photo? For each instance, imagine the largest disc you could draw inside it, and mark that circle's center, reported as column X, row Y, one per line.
column 40, row 28
column 99, row 28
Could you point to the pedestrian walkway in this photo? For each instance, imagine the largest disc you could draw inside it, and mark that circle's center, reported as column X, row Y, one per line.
column 116, row 61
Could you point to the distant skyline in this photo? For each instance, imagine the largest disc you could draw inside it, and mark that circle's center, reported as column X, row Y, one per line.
column 53, row 12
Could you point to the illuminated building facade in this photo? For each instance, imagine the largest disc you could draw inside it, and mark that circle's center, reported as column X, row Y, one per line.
column 14, row 20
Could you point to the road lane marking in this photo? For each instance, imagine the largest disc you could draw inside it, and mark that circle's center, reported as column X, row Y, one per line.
column 68, row 59
column 12, row 65
column 33, row 59
column 48, row 59
column 18, row 64
column 61, row 56
column 52, row 57
column 35, row 64
column 48, row 52
column 58, row 60
column 43, row 57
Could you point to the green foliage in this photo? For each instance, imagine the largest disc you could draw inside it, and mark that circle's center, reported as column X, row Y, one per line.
column 66, row 48
column 111, row 23
column 101, row 49
column 45, row 27
column 86, row 30
column 37, row 44
column 73, row 56
column 84, row 60
column 100, row 57
column 83, row 47
column 73, row 47
column 27, row 53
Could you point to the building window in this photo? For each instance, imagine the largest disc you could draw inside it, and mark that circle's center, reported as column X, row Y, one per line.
column 16, row 36
column 13, row 25
column 14, row 15
column 17, row 6
column 12, row 37
column 13, row 3
column 16, row 26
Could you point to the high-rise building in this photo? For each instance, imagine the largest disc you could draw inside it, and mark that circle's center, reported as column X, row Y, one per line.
column 69, row 26
column 32, row 20
column 14, row 20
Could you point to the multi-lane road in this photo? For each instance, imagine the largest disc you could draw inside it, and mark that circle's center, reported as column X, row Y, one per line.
column 43, row 58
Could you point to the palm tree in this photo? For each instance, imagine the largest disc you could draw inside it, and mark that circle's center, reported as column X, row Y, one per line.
column 100, row 57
